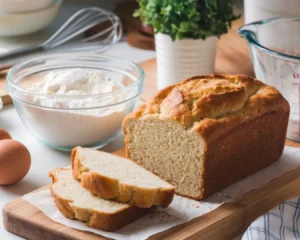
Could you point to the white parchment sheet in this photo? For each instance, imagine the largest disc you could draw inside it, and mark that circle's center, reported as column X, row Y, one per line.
column 181, row 210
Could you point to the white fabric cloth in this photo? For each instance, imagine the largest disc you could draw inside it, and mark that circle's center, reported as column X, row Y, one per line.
column 280, row 223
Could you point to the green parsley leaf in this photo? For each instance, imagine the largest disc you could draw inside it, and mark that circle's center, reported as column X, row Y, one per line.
column 196, row 19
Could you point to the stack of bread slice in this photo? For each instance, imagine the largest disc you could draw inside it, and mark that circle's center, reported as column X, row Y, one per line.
column 106, row 191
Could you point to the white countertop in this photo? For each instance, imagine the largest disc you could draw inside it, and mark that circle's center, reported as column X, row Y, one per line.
column 43, row 158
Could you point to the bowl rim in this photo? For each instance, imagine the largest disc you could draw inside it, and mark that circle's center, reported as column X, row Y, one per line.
column 248, row 34
column 11, row 84
column 54, row 4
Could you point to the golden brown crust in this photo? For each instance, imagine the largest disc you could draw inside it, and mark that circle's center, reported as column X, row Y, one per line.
column 242, row 121
column 244, row 152
column 63, row 205
column 113, row 222
column 265, row 101
column 100, row 220
column 110, row 188
column 53, row 176
column 211, row 96
column 77, row 168
column 104, row 221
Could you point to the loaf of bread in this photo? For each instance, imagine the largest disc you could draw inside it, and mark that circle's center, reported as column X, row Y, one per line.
column 208, row 132
column 112, row 177
column 75, row 202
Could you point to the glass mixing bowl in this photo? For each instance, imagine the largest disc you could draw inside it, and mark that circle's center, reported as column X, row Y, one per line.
column 60, row 127
column 275, row 53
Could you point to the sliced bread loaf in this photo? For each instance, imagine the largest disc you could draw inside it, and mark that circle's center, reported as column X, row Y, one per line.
column 111, row 177
column 75, row 202
column 208, row 132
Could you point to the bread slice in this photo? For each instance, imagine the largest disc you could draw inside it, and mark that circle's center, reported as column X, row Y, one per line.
column 111, row 177
column 75, row 202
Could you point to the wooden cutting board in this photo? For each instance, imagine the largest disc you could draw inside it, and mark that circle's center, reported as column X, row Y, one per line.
column 225, row 222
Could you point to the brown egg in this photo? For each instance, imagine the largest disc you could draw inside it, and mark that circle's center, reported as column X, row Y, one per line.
column 14, row 161
column 4, row 134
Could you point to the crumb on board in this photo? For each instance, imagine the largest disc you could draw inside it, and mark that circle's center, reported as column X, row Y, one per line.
column 196, row 206
column 162, row 215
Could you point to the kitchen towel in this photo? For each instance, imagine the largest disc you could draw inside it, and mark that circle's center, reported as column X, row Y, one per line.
column 181, row 209
column 280, row 223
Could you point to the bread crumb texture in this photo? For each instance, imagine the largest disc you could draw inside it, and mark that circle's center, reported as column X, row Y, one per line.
column 75, row 202
column 112, row 177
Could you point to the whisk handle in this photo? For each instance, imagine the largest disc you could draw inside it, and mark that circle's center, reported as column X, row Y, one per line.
column 21, row 52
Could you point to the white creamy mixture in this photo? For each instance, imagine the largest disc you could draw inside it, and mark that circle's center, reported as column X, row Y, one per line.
column 74, row 82
column 67, row 128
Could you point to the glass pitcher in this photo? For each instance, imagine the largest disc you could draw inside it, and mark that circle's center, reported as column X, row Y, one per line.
column 275, row 53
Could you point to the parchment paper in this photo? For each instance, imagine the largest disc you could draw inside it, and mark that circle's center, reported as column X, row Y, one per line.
column 181, row 210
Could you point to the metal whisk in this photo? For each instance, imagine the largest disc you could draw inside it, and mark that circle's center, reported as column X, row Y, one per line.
column 72, row 32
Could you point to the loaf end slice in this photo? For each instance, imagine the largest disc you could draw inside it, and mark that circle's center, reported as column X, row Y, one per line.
column 111, row 177
column 75, row 202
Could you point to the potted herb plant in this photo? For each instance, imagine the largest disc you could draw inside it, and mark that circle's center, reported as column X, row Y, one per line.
column 186, row 33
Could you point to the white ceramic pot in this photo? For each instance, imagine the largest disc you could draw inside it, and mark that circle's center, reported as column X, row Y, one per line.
column 256, row 10
column 181, row 59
